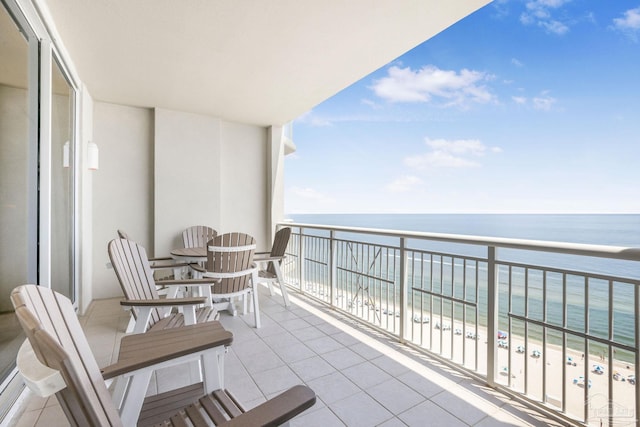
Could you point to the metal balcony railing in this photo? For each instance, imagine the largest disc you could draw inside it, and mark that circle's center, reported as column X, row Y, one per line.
column 556, row 324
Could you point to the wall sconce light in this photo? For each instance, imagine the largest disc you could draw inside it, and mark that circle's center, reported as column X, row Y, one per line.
column 65, row 155
column 93, row 157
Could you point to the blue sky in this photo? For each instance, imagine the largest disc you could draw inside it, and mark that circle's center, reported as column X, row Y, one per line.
column 522, row 107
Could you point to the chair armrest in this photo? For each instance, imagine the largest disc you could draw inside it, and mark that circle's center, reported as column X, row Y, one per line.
column 198, row 268
column 278, row 410
column 186, row 282
column 169, row 265
column 141, row 351
column 268, row 258
column 164, row 258
column 164, row 302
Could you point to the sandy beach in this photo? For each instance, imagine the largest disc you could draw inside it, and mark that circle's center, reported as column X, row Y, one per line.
column 522, row 371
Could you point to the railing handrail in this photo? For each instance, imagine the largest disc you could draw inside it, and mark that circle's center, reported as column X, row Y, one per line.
column 601, row 251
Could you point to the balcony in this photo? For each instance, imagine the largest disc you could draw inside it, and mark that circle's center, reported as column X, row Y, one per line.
column 395, row 328
column 361, row 377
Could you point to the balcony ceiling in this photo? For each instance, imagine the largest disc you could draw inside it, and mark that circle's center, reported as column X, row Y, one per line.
column 260, row 62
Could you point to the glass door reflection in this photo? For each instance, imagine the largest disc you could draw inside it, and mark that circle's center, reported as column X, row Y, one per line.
column 18, row 177
column 62, row 191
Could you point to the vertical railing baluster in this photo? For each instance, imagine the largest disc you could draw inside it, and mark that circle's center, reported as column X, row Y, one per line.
column 611, row 353
column 587, row 350
column 333, row 270
column 564, row 336
column 492, row 315
column 403, row 289
column 464, row 312
column 509, row 321
column 431, row 301
column 526, row 330
column 441, row 290
column 301, row 261
column 544, row 338
column 477, row 313
column 453, row 306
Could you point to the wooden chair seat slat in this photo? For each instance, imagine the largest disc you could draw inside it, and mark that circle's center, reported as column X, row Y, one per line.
column 192, row 412
column 213, row 410
column 227, row 404
column 165, row 405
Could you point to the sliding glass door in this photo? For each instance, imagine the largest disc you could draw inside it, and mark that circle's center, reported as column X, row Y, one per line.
column 62, row 188
column 18, row 175
column 37, row 171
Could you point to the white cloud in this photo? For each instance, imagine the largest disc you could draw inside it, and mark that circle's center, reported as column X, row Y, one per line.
column 629, row 24
column 455, row 88
column 403, row 184
column 461, row 153
column 555, row 27
column 370, row 103
column 311, row 194
column 544, row 102
column 519, row 99
column 313, row 119
column 517, row 62
column 539, row 13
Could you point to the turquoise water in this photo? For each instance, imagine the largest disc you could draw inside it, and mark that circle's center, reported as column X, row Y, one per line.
column 613, row 230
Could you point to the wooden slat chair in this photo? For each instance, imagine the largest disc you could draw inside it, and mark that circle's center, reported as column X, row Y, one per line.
column 197, row 236
column 160, row 263
column 269, row 263
column 230, row 263
column 58, row 360
column 148, row 310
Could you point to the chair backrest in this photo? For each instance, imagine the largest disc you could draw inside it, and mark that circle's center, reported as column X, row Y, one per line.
column 280, row 243
column 123, row 235
column 130, row 262
column 55, row 334
column 230, row 258
column 197, row 236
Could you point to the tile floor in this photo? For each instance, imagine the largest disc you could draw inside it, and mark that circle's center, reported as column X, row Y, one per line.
column 361, row 378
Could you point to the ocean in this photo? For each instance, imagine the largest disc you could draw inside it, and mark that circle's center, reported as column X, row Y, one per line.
column 599, row 229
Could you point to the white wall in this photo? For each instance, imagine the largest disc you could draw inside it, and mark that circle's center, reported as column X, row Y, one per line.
column 275, row 169
column 187, row 175
column 245, row 182
column 122, row 187
column 162, row 171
